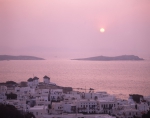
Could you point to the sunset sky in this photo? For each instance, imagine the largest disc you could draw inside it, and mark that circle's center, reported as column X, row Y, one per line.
column 71, row 28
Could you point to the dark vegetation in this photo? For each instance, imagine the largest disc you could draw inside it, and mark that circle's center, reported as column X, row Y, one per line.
column 9, row 111
column 10, row 82
column 49, row 106
column 146, row 115
column 105, row 58
column 136, row 97
column 11, row 96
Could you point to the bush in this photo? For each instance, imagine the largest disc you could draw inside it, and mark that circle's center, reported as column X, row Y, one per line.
column 11, row 82
column 146, row 115
column 9, row 111
column 11, row 96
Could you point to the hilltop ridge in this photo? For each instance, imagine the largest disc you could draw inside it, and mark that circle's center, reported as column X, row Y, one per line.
column 10, row 57
column 116, row 58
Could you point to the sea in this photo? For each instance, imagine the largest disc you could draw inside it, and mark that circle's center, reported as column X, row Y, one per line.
column 119, row 78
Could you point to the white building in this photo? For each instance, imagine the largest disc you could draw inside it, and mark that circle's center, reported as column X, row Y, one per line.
column 87, row 106
column 78, row 116
column 39, row 111
column 68, row 105
column 73, row 94
column 128, row 113
column 143, row 107
column 147, row 98
column 42, row 100
column 56, row 94
column 42, row 92
column 2, row 97
column 107, row 106
column 46, row 79
column 33, row 83
column 30, row 82
column 57, row 108
column 10, row 89
column 3, row 89
column 24, row 90
column 17, row 90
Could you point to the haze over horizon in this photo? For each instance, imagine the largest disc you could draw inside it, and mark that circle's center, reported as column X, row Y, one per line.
column 71, row 29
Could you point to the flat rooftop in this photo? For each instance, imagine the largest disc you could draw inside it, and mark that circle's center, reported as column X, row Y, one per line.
column 38, row 107
column 78, row 115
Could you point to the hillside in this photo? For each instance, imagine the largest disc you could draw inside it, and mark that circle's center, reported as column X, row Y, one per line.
column 116, row 58
column 10, row 57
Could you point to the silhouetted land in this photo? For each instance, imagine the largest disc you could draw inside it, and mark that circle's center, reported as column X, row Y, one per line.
column 10, row 57
column 117, row 58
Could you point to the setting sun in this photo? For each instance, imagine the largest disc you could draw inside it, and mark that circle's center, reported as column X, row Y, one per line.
column 102, row 30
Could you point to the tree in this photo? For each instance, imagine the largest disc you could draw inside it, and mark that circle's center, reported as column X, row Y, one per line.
column 95, row 97
column 49, row 106
column 29, row 115
column 9, row 111
column 10, row 82
column 146, row 115
column 136, row 106
column 136, row 97
column 11, row 96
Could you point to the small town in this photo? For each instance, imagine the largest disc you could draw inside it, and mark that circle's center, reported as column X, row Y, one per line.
column 47, row 100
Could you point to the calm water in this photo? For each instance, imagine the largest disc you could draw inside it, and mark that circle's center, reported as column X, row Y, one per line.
column 116, row 77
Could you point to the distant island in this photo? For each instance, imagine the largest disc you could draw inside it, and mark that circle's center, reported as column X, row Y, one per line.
column 116, row 58
column 10, row 57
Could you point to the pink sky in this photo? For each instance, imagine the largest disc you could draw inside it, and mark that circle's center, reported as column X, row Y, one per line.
column 70, row 28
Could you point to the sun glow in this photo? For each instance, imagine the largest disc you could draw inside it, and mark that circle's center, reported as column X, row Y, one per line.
column 102, row 30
